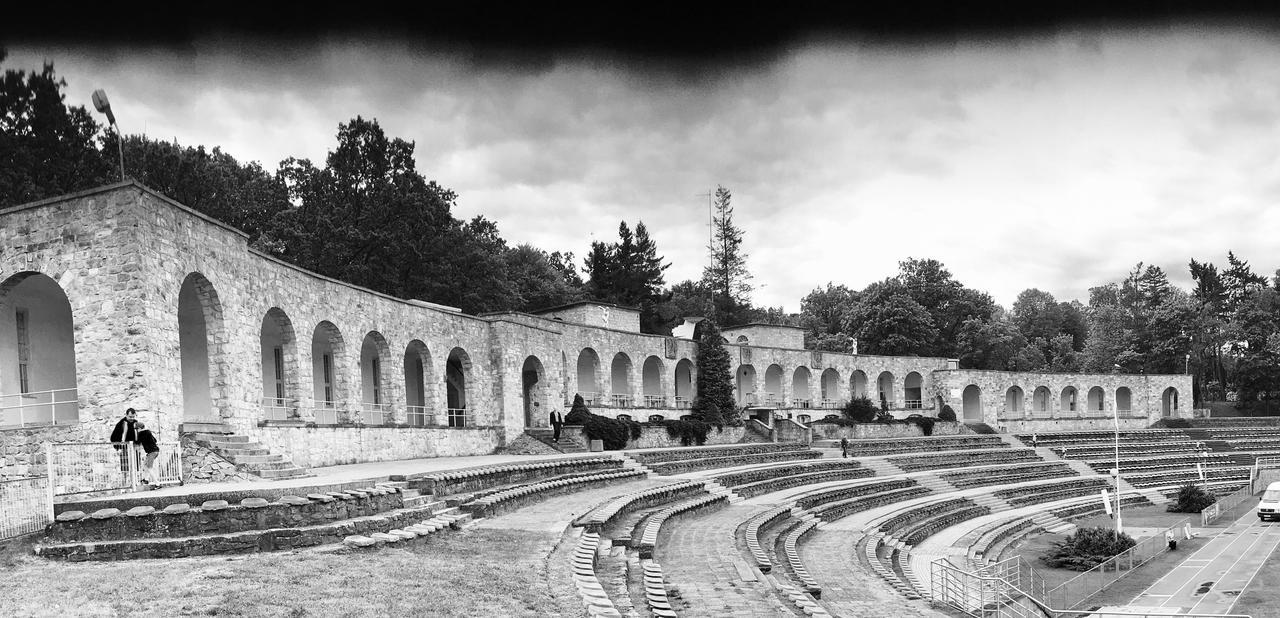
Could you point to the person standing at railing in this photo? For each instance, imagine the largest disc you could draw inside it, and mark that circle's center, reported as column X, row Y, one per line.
column 147, row 441
column 125, row 431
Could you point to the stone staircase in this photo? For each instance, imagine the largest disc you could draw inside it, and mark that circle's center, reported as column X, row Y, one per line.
column 991, row 502
column 883, row 467
column 933, row 483
column 565, row 445
column 248, row 456
column 980, row 428
column 1053, row 524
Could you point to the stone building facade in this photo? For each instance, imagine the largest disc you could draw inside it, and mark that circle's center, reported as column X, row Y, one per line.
column 120, row 297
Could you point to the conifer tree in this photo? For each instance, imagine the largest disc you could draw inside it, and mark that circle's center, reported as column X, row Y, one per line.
column 714, row 400
column 727, row 276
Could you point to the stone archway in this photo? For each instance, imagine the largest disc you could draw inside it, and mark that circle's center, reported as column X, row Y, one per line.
column 201, row 339
column 971, row 403
column 37, row 352
column 533, row 390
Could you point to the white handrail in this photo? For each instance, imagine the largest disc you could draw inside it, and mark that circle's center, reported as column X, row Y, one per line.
column 50, row 407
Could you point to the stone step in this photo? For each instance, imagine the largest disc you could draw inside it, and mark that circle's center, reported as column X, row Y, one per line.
column 279, row 464
column 213, row 427
column 284, row 473
column 240, row 451
column 218, row 438
column 251, row 460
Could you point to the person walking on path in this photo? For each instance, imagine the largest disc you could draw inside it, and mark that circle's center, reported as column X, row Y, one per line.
column 147, row 441
column 557, row 422
column 125, row 431
column 844, row 447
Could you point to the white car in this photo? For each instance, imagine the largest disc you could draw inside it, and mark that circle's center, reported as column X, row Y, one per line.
column 1269, row 506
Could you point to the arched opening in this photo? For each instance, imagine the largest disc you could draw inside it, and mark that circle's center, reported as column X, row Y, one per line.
column 1013, row 401
column 746, row 385
column 651, row 382
column 684, row 383
column 773, row 386
column 328, row 387
column 742, row 340
column 200, row 341
column 417, row 375
column 656, row 418
column 800, row 397
column 1040, row 401
column 620, row 381
column 588, row 376
column 858, row 384
column 1096, row 400
column 1169, row 402
column 279, row 366
column 37, row 352
column 912, row 391
column 1123, row 400
column 972, row 403
column 884, row 386
column 533, row 390
column 457, row 373
column 374, row 403
column 1067, row 401
column 830, row 385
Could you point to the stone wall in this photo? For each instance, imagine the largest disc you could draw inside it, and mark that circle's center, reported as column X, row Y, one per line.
column 881, row 431
column 655, row 436
column 203, row 465
column 786, row 430
column 312, row 447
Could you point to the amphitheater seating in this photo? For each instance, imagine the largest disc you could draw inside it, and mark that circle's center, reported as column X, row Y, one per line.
column 798, row 570
column 824, row 474
column 1180, row 477
column 604, row 514
column 649, row 536
column 756, row 525
column 1036, row 494
column 917, row 463
column 470, row 480
column 875, row 448
column 1081, row 438
column 682, row 466
column 504, row 500
column 661, row 455
column 1006, row 475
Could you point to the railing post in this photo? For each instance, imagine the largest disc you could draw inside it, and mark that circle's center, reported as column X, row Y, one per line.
column 131, row 456
column 48, row 478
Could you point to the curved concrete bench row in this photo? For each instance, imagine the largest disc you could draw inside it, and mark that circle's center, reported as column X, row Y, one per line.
column 408, row 534
column 1179, row 477
column 804, row 524
column 879, row 447
column 471, row 480
column 219, row 516
column 759, row 523
column 593, row 596
column 247, row 541
column 659, row 455
column 709, row 463
column 764, row 473
column 844, row 508
column 757, row 488
column 1006, row 475
column 655, row 590
column 1057, row 438
column 912, row 534
column 604, row 514
column 917, row 463
column 1129, row 449
column 649, row 536
column 1048, row 492
column 824, row 497
column 868, row 552
column 505, row 500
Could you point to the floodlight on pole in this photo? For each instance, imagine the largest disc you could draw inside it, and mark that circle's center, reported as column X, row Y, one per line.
column 103, row 106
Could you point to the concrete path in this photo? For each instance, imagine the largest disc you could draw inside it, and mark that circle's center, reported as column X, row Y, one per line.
column 1211, row 580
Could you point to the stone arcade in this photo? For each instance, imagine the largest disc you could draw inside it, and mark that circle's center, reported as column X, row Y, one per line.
column 119, row 297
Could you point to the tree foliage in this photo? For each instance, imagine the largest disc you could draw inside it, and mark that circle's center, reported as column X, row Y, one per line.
column 727, row 277
column 1191, row 499
column 630, row 273
column 713, row 403
column 1087, row 548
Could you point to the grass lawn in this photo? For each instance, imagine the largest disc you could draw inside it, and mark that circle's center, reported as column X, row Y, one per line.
column 476, row 572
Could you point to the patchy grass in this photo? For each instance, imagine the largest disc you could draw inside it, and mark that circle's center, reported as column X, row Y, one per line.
column 469, row 573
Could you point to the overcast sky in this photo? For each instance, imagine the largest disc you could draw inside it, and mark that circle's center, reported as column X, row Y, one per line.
column 1053, row 159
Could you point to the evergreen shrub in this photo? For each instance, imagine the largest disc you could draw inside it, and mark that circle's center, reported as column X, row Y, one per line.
column 1087, row 548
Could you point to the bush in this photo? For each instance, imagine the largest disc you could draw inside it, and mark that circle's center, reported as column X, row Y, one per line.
column 1176, row 423
column 1087, row 548
column 860, row 409
column 947, row 414
column 612, row 432
column 925, row 423
column 690, row 432
column 1191, row 499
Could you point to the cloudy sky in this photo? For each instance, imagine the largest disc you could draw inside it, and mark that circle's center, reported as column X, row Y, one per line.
column 1054, row 158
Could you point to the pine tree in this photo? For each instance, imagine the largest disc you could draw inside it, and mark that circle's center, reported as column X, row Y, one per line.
column 727, row 276
column 714, row 400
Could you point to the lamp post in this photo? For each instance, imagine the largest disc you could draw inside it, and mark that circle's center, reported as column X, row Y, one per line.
column 103, row 106
column 1116, row 471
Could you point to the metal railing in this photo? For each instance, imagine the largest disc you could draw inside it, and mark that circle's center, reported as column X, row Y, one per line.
column 278, row 409
column 1079, row 588
column 1226, row 504
column 772, row 399
column 26, row 506
column 417, row 416
column 588, row 398
column 375, row 413
column 683, row 402
column 801, row 403
column 749, row 398
column 330, row 413
column 51, row 407
column 913, row 404
column 620, row 400
column 655, row 401
column 829, row 403
column 83, row 467
column 460, row 417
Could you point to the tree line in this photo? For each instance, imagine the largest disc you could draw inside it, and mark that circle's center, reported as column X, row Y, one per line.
column 368, row 216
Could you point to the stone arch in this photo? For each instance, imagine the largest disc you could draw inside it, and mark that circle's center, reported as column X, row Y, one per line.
column 328, row 379
column 971, row 403
column 373, row 378
column 684, row 383
column 884, row 387
column 533, row 387
column 651, row 383
column 201, row 339
column 1095, row 399
column 1124, row 399
column 742, row 340
column 37, row 352
column 1013, row 401
column 800, row 395
column 589, row 375
column 1067, row 402
column 912, row 391
column 1169, row 402
column 829, row 387
column 620, row 380
column 457, row 378
column 745, row 385
column 280, row 382
column 857, row 384
column 419, row 393
column 773, row 385
column 1040, row 401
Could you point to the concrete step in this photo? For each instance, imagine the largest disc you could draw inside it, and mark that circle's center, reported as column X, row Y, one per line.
column 241, row 452
column 279, row 464
column 220, row 438
column 213, row 427
column 284, row 473
column 253, row 460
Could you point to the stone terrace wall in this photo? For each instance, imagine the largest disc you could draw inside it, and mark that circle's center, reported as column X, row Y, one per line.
column 881, row 431
column 312, row 447
column 816, row 362
column 653, row 436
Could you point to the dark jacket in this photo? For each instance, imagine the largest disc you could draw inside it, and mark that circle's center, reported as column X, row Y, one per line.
column 148, row 441
column 124, row 432
column 556, row 417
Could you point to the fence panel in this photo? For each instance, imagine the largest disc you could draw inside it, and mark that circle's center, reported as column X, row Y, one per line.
column 25, row 506
column 82, row 467
column 1078, row 589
